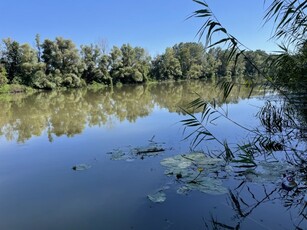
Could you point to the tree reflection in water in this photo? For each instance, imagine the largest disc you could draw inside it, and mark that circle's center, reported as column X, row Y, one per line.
column 69, row 112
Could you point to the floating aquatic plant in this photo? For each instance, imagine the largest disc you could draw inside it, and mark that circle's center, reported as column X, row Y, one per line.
column 267, row 172
column 195, row 171
column 157, row 197
column 206, row 185
column 117, row 155
column 128, row 154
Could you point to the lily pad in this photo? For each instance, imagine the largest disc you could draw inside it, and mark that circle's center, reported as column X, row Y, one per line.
column 184, row 164
column 269, row 172
column 194, row 170
column 191, row 163
column 183, row 190
column 186, row 160
column 158, row 197
column 208, row 185
column 81, row 167
column 117, row 155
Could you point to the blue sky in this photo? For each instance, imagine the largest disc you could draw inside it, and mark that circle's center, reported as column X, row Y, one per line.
column 151, row 24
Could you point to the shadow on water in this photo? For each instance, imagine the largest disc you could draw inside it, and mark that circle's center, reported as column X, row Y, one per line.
column 261, row 206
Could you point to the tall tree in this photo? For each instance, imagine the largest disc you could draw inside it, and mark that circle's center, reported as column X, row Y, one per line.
column 212, row 62
column 190, row 54
column 256, row 60
column 129, row 64
column 62, row 60
column 29, row 65
column 90, row 56
column 38, row 47
column 12, row 59
column 115, row 63
column 167, row 66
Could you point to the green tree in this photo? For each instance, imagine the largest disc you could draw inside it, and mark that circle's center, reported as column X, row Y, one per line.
column 289, row 18
column 195, row 71
column 256, row 61
column 62, row 56
column 129, row 64
column 104, row 67
column 12, row 60
column 42, row 81
column 141, row 64
column 29, row 65
column 167, row 66
column 290, row 70
column 230, row 68
column 190, row 55
column 115, row 63
column 48, row 56
column 21, row 63
column 212, row 62
column 90, row 56
column 126, row 71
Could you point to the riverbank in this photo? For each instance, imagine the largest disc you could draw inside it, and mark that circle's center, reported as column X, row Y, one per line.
column 15, row 88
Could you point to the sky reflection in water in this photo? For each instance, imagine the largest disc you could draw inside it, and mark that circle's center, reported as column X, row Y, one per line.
column 44, row 135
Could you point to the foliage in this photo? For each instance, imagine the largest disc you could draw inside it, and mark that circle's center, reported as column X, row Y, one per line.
column 290, row 26
column 190, row 55
column 15, row 88
column 29, row 65
column 90, row 56
column 287, row 73
column 167, row 66
column 191, row 61
column 11, row 58
column 3, row 76
column 290, row 21
column 61, row 54
column 58, row 63
column 64, row 65
column 63, row 61
column 129, row 65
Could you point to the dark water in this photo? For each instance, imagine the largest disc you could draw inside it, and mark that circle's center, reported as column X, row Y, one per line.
column 44, row 135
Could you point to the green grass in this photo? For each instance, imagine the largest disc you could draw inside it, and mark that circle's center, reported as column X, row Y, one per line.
column 15, row 88
column 96, row 86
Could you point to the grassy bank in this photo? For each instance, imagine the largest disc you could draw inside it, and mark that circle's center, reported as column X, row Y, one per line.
column 15, row 88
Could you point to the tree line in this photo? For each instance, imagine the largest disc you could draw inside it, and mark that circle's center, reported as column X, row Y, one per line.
column 59, row 63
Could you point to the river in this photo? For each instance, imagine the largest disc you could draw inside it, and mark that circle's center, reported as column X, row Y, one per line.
column 46, row 136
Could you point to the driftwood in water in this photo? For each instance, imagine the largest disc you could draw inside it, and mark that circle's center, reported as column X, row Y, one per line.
column 149, row 150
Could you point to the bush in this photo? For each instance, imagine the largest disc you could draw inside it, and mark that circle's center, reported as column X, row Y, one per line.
column 72, row 81
column 3, row 79
column 41, row 81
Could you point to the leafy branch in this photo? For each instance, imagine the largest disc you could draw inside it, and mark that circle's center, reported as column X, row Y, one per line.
column 291, row 25
column 290, row 20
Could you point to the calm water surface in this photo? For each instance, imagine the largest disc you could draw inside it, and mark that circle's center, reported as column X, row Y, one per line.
column 42, row 136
